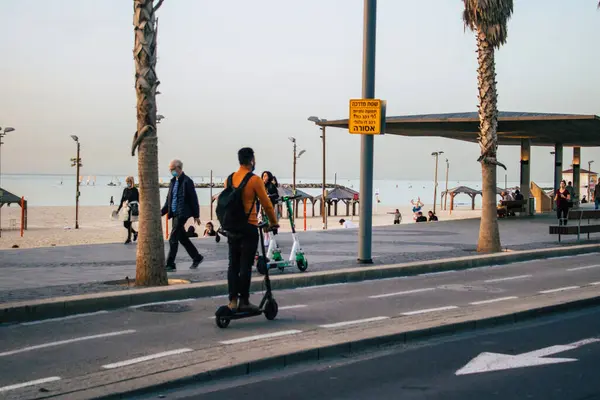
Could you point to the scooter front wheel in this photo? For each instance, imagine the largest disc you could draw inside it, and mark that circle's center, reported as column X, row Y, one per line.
column 302, row 264
column 271, row 309
column 220, row 315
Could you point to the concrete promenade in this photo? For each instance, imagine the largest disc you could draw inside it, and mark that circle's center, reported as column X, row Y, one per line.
column 29, row 274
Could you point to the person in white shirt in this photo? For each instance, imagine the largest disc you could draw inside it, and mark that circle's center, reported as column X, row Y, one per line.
column 346, row 224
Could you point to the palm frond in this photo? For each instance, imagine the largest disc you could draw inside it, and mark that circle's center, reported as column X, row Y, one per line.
column 489, row 17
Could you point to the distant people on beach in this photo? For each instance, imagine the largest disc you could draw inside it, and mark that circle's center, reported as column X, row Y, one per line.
column 112, row 201
column 347, row 224
column 209, row 231
column 417, row 207
column 191, row 232
column 432, row 216
column 180, row 205
column 397, row 217
column 130, row 201
column 421, row 217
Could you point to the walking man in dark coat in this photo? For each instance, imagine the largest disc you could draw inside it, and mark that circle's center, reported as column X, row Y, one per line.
column 181, row 205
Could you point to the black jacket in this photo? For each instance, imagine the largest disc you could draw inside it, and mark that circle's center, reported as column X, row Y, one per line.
column 129, row 195
column 187, row 199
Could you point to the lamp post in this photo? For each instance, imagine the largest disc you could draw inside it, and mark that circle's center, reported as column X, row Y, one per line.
column 76, row 162
column 436, row 154
column 296, row 157
column 589, row 172
column 2, row 134
column 446, row 196
column 317, row 120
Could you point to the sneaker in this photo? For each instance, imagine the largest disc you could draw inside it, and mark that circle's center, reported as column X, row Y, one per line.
column 127, row 241
column 135, row 235
column 171, row 268
column 197, row 262
column 233, row 304
column 245, row 305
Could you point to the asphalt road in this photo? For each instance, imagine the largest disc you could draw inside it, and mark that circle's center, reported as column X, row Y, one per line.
column 80, row 345
column 430, row 371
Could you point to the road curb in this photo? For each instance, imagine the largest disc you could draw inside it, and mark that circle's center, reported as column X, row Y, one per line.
column 65, row 306
column 354, row 347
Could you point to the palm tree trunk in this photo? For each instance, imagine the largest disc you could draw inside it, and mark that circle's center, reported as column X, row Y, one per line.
column 150, row 261
column 489, row 235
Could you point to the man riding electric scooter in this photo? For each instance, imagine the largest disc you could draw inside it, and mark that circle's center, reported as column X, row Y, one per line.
column 236, row 212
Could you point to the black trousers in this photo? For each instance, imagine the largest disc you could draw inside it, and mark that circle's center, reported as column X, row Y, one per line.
column 241, row 259
column 129, row 226
column 562, row 212
column 178, row 235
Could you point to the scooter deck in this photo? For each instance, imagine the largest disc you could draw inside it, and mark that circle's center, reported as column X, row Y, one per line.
column 242, row 314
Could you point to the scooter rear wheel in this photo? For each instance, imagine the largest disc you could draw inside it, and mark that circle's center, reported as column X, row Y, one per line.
column 220, row 315
column 271, row 309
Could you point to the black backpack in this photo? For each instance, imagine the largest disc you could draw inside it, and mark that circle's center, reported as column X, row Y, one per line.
column 230, row 207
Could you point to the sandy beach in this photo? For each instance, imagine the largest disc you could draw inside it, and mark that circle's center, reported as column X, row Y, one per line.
column 53, row 226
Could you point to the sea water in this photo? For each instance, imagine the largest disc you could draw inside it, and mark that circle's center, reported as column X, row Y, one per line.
column 59, row 190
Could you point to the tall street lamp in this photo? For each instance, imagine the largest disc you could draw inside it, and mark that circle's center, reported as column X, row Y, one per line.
column 446, row 196
column 2, row 134
column 436, row 154
column 317, row 120
column 296, row 157
column 76, row 162
column 589, row 181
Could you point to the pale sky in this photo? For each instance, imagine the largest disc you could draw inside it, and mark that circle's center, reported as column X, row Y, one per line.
column 248, row 73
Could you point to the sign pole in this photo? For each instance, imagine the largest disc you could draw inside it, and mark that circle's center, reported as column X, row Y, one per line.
column 365, row 229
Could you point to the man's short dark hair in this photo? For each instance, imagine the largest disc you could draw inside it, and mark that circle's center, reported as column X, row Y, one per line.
column 245, row 155
column 342, row 221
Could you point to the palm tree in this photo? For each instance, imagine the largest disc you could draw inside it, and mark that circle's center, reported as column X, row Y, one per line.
column 488, row 19
column 150, row 261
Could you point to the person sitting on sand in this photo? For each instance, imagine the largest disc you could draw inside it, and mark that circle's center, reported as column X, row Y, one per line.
column 191, row 232
column 210, row 231
column 432, row 216
column 347, row 224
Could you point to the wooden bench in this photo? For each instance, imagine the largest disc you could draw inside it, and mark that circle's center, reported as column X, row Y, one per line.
column 511, row 206
column 578, row 228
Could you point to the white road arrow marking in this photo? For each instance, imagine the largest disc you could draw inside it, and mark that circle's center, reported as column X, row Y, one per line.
column 487, row 362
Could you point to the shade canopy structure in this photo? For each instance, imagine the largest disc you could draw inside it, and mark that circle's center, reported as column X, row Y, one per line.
column 472, row 193
column 581, row 171
column 541, row 128
column 9, row 198
column 283, row 190
column 341, row 193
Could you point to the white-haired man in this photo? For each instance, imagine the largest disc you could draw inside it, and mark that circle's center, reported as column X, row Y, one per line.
column 181, row 204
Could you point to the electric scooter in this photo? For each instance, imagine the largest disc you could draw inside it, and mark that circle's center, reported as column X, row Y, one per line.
column 268, row 305
column 274, row 258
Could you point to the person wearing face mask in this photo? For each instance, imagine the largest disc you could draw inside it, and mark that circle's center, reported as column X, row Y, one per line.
column 181, row 204
column 244, row 243
column 130, row 199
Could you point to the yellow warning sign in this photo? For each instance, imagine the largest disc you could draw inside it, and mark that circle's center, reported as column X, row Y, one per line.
column 365, row 116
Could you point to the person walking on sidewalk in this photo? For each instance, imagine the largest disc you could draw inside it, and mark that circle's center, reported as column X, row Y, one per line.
column 130, row 200
column 237, row 213
column 181, row 204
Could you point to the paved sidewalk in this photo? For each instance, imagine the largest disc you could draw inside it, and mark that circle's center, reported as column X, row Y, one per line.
column 62, row 271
